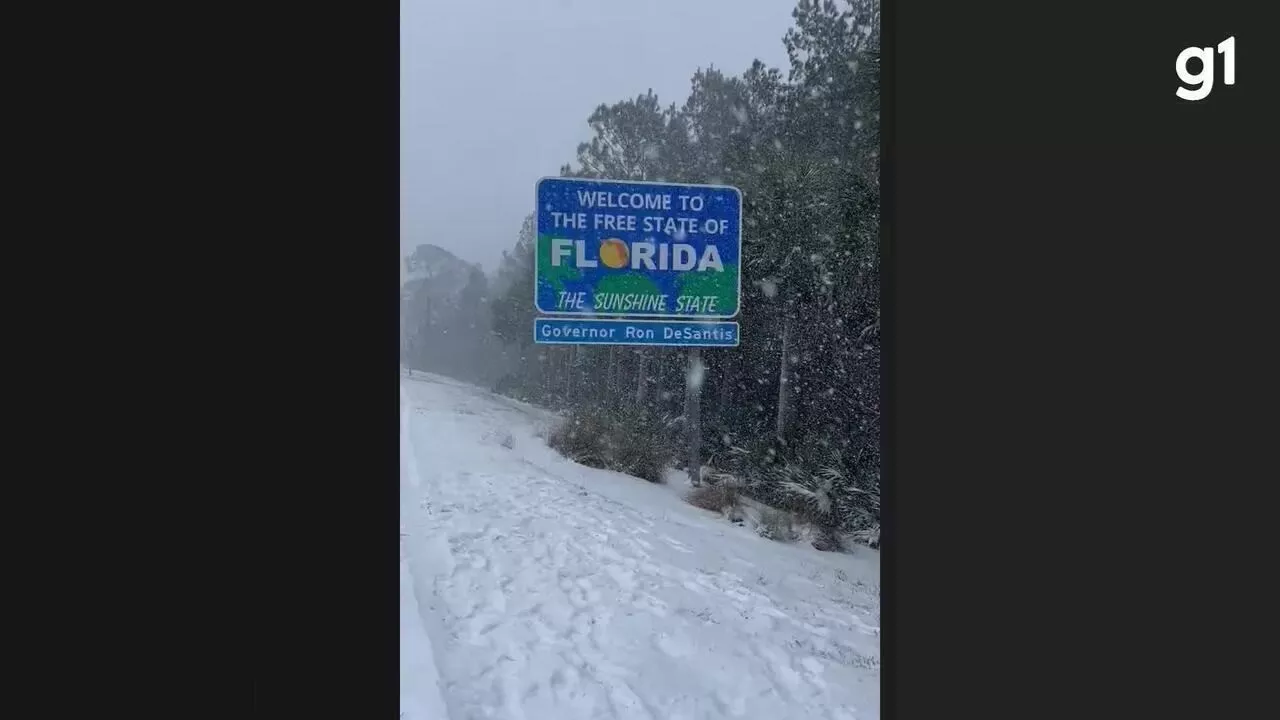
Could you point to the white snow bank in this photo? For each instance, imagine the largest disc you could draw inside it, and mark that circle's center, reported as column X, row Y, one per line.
column 559, row 592
column 420, row 697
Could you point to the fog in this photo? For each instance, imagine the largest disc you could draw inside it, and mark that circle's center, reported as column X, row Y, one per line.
column 494, row 95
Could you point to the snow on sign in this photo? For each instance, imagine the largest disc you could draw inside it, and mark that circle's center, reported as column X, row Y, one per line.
column 637, row 249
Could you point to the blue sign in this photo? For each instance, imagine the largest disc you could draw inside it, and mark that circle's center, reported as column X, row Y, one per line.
column 572, row 331
column 638, row 249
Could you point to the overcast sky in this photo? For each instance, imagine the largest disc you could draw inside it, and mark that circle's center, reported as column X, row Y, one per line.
column 495, row 94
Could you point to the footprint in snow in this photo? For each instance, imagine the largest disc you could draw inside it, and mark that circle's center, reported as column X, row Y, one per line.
column 780, row 668
column 677, row 545
column 693, row 587
column 625, row 579
column 652, row 605
column 734, row 705
column 673, row 647
column 813, row 671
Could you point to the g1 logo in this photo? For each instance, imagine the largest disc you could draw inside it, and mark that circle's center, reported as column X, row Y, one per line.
column 1201, row 84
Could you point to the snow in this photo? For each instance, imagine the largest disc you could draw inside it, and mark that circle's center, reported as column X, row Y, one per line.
column 420, row 697
column 534, row 588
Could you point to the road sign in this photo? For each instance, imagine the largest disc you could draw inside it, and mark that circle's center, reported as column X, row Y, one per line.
column 637, row 249
column 671, row 333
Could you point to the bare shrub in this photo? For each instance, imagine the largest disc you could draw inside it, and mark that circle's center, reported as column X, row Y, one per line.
column 828, row 540
column 578, row 438
column 640, row 452
column 625, row 440
column 716, row 498
column 776, row 525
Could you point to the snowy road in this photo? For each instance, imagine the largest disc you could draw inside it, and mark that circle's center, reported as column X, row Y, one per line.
column 535, row 588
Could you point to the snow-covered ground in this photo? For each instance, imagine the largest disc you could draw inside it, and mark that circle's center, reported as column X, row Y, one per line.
column 534, row 588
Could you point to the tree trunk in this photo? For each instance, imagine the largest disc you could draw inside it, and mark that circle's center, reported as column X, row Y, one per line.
column 611, row 389
column 784, row 380
column 544, row 369
column 654, row 377
column 641, row 384
column 726, row 377
column 557, row 376
column 570, row 367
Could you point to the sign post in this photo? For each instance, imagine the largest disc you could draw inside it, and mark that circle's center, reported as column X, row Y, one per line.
column 640, row 263
column 693, row 412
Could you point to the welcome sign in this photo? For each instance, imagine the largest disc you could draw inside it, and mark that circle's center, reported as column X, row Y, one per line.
column 637, row 249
